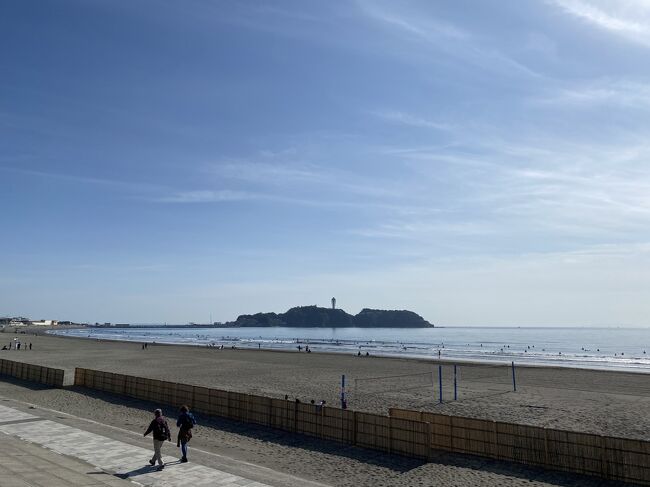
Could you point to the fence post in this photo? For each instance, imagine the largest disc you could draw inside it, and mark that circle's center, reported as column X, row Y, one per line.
column 603, row 459
column 514, row 381
column 440, row 381
column 546, row 462
column 451, row 433
column 455, row 384
column 343, row 403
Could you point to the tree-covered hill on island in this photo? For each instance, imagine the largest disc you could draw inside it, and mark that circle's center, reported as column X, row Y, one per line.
column 315, row 316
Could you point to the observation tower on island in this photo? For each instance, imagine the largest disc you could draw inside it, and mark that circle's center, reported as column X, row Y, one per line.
column 333, row 303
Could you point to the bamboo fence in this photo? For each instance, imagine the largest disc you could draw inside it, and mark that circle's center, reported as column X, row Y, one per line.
column 607, row 457
column 33, row 373
column 410, row 433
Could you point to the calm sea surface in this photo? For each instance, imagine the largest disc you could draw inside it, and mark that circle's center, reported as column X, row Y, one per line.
column 602, row 348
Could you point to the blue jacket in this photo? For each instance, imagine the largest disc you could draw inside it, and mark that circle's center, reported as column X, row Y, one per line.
column 185, row 421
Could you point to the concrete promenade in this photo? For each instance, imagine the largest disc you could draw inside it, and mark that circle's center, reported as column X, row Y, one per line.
column 50, row 449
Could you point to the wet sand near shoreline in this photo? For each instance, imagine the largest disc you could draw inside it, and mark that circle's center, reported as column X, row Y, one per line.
column 594, row 401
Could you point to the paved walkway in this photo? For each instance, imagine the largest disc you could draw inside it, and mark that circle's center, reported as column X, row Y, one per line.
column 119, row 459
column 24, row 464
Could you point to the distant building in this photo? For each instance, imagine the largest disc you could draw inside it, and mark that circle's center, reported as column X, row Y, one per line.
column 18, row 321
column 45, row 323
column 333, row 303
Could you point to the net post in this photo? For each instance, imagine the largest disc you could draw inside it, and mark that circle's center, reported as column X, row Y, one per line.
column 343, row 403
column 440, row 381
column 514, row 380
column 455, row 383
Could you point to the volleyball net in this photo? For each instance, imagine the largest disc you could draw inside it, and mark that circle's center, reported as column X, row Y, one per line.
column 443, row 383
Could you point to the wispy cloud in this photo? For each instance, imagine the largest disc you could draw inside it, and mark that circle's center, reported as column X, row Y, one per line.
column 509, row 190
column 268, row 173
column 426, row 229
column 280, row 173
column 441, row 36
column 632, row 94
column 144, row 191
column 207, row 196
column 131, row 186
column 411, row 120
column 425, row 28
column 118, row 268
column 628, row 18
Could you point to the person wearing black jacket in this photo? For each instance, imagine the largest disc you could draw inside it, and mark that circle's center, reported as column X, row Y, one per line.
column 161, row 433
column 185, row 424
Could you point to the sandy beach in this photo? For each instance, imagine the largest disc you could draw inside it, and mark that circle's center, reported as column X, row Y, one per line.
column 580, row 402
column 594, row 401
column 609, row 403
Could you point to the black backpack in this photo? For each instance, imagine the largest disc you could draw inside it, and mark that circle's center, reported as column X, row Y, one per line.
column 160, row 430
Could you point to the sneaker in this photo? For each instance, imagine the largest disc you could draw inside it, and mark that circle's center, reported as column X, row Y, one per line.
column 184, row 460
column 160, row 467
column 151, row 462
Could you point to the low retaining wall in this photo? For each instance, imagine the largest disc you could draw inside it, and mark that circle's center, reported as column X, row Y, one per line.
column 410, row 433
column 34, row 373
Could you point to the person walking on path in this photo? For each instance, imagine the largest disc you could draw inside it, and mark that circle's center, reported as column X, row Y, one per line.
column 161, row 433
column 185, row 424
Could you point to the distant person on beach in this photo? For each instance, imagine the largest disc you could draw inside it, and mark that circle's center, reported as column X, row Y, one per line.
column 30, row 345
column 161, row 433
column 185, row 423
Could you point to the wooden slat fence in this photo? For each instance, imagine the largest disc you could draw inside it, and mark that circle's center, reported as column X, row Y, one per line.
column 584, row 453
column 410, row 433
column 35, row 373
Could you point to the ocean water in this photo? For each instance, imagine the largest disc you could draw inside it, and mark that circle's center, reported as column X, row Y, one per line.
column 597, row 348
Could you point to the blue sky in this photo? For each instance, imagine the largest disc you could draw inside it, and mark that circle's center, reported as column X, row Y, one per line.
column 481, row 163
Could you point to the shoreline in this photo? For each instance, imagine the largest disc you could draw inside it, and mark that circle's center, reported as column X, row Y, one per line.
column 506, row 362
